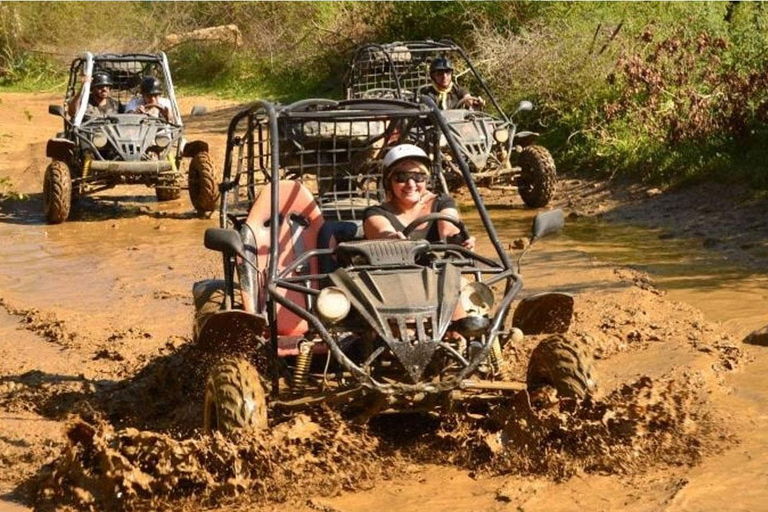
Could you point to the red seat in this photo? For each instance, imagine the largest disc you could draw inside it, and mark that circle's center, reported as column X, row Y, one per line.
column 300, row 222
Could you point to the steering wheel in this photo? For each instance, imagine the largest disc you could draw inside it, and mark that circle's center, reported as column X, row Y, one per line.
column 436, row 216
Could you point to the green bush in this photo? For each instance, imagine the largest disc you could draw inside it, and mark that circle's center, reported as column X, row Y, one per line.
column 661, row 92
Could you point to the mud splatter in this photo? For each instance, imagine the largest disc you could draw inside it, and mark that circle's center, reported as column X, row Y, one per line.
column 127, row 469
column 46, row 325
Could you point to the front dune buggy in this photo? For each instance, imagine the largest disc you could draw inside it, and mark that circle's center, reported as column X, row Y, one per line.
column 490, row 141
column 96, row 153
column 311, row 313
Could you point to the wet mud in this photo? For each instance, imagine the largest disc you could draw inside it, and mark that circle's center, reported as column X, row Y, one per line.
column 101, row 387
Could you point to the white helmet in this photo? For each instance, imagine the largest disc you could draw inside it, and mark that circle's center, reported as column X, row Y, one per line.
column 402, row 151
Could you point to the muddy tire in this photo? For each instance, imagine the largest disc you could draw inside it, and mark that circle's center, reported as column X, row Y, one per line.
column 234, row 398
column 562, row 364
column 167, row 194
column 57, row 192
column 203, row 185
column 538, row 177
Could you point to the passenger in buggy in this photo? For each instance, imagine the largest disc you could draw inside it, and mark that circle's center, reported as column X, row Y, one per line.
column 446, row 93
column 406, row 172
column 100, row 102
column 151, row 101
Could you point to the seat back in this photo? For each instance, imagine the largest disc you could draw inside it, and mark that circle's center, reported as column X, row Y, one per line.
column 333, row 233
column 300, row 222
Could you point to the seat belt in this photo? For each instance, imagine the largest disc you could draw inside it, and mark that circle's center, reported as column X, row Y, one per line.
column 297, row 224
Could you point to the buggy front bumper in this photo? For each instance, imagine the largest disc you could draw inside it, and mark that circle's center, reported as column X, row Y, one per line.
column 131, row 168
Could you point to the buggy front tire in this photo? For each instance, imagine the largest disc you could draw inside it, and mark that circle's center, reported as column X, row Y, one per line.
column 234, row 398
column 538, row 176
column 563, row 364
column 203, row 186
column 57, row 192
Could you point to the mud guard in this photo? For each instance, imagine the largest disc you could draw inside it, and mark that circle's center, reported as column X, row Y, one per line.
column 523, row 139
column 60, row 149
column 232, row 331
column 544, row 313
column 194, row 147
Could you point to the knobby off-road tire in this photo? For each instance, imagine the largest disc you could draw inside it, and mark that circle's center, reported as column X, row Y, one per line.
column 563, row 364
column 57, row 192
column 234, row 398
column 538, row 176
column 167, row 194
column 203, row 186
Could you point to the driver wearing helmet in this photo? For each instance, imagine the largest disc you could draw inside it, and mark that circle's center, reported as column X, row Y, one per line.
column 150, row 101
column 406, row 172
column 444, row 91
column 100, row 102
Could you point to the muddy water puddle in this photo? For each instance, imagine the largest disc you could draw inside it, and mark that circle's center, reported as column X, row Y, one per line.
column 734, row 295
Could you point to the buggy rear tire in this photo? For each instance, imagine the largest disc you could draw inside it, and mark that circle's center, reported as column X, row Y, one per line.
column 234, row 398
column 167, row 194
column 203, row 186
column 562, row 364
column 57, row 192
column 538, row 176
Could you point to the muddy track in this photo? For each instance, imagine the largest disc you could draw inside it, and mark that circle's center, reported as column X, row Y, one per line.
column 100, row 387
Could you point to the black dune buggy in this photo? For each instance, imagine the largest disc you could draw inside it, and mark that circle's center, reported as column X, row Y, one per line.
column 490, row 141
column 309, row 312
column 96, row 153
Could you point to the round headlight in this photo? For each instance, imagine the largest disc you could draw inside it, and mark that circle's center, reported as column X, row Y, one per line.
column 501, row 136
column 162, row 141
column 476, row 298
column 332, row 304
column 99, row 140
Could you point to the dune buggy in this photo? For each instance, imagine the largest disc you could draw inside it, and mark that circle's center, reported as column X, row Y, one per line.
column 496, row 150
column 309, row 312
column 97, row 153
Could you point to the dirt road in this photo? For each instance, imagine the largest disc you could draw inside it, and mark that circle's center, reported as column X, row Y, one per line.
column 100, row 403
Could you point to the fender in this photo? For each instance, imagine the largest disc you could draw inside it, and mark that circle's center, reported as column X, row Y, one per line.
column 60, row 149
column 524, row 139
column 194, row 147
column 232, row 331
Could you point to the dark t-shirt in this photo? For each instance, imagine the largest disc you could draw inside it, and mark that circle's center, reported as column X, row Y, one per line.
column 112, row 106
column 430, row 233
column 451, row 98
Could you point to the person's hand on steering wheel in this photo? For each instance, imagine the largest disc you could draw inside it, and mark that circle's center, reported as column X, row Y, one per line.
column 468, row 242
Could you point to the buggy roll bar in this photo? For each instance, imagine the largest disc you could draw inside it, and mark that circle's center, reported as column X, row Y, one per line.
column 444, row 45
column 89, row 59
column 86, row 90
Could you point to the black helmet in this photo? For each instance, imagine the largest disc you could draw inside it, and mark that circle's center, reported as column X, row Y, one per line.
column 151, row 85
column 440, row 63
column 101, row 78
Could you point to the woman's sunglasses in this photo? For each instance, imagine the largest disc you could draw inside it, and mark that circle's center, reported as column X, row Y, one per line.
column 404, row 176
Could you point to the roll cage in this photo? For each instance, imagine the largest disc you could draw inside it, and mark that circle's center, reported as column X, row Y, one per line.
column 126, row 71
column 334, row 150
column 401, row 69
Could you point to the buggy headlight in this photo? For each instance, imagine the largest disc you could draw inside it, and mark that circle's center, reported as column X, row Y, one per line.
column 162, row 141
column 476, row 298
column 99, row 140
column 501, row 136
column 332, row 304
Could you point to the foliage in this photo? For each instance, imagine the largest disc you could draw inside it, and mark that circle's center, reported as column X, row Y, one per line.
column 663, row 92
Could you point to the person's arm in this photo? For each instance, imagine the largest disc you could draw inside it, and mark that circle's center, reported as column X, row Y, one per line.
column 378, row 226
column 465, row 96
column 446, row 229
column 74, row 102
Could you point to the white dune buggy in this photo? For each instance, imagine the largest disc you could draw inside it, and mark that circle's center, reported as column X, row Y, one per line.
column 99, row 152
